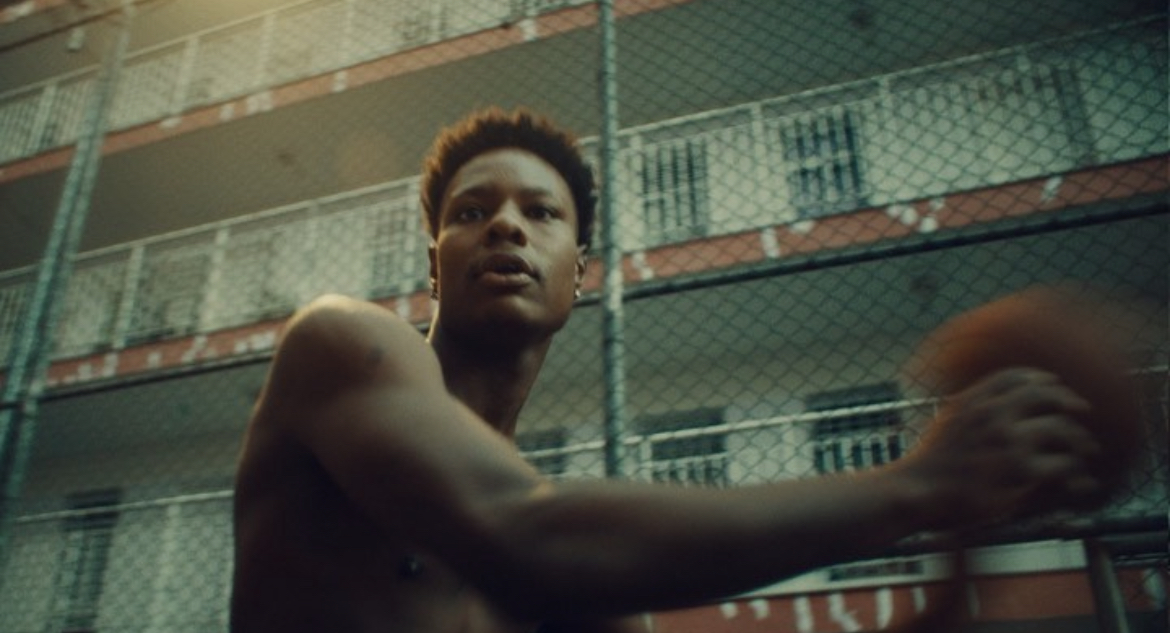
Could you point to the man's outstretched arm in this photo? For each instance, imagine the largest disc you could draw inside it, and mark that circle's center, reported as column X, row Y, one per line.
column 370, row 403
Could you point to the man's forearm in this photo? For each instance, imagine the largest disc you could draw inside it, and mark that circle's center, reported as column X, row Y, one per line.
column 600, row 548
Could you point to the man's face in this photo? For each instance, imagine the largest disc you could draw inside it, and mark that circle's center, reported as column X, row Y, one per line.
column 506, row 252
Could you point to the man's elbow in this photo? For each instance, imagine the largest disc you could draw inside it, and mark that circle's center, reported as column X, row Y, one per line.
column 521, row 562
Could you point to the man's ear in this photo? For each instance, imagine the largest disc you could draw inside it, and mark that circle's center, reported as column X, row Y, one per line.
column 582, row 260
column 433, row 257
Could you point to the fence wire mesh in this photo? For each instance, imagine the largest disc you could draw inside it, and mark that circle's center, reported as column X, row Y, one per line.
column 802, row 192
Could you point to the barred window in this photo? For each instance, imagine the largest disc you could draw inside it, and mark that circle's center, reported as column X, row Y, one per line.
column 258, row 273
column 14, row 295
column 227, row 63
column 397, row 244
column 673, row 188
column 822, row 161
column 420, row 27
column 854, row 437
column 147, row 87
column 18, row 124
column 303, row 42
column 684, row 450
column 81, row 575
column 89, row 309
column 170, row 292
column 67, row 112
column 386, row 26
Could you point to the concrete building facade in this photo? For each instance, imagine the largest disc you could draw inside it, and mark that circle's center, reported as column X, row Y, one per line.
column 801, row 193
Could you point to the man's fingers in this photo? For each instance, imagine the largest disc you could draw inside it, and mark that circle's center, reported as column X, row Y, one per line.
column 1044, row 463
column 1016, row 444
column 1028, row 391
column 1011, row 378
column 1060, row 482
column 1058, row 434
column 1049, row 398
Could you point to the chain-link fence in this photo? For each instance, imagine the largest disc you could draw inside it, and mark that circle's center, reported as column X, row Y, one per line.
column 801, row 191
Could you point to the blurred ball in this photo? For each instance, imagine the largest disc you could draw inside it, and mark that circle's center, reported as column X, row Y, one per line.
column 1070, row 333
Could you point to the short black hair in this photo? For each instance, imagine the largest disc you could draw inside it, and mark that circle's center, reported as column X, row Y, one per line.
column 493, row 128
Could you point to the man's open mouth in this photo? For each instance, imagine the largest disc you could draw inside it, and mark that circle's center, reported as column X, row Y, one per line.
column 506, row 265
column 504, row 270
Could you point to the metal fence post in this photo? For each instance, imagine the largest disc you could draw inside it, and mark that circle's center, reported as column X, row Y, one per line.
column 30, row 355
column 612, row 302
column 1110, row 607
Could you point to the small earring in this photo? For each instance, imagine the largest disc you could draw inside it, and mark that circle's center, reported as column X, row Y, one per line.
column 435, row 289
column 577, row 292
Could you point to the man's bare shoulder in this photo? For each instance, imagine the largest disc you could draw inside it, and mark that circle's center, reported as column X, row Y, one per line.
column 337, row 341
column 340, row 325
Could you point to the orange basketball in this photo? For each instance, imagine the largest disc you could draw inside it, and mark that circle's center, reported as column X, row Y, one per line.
column 1058, row 330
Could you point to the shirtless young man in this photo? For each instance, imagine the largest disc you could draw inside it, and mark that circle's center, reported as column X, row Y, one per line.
column 378, row 489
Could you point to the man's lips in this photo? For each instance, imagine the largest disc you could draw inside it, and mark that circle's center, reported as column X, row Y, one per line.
column 504, row 265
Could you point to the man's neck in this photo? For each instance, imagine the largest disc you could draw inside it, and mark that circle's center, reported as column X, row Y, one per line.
column 494, row 381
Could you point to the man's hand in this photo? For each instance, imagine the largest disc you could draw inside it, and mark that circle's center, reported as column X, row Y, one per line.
column 1008, row 446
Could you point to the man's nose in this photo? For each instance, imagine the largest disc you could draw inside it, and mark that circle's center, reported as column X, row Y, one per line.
column 508, row 224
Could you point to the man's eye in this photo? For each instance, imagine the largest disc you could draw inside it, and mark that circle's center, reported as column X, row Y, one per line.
column 542, row 212
column 469, row 214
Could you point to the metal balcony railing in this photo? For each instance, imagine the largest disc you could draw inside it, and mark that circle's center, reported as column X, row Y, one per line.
column 245, row 57
column 1000, row 117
